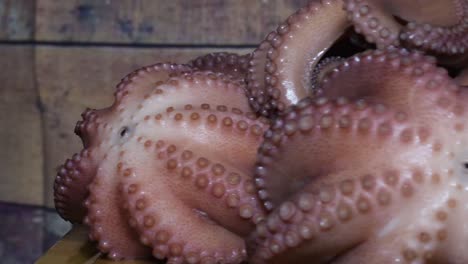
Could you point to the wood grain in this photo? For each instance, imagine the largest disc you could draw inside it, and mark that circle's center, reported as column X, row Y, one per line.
column 16, row 19
column 74, row 248
column 71, row 79
column 21, row 157
column 233, row 22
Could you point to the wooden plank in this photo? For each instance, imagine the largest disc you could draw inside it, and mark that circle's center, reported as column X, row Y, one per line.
column 16, row 19
column 71, row 79
column 160, row 21
column 20, row 136
column 74, row 248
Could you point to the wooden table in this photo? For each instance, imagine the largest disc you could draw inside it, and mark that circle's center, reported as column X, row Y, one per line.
column 74, row 248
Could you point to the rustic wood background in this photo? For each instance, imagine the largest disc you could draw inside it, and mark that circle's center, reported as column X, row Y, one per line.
column 58, row 57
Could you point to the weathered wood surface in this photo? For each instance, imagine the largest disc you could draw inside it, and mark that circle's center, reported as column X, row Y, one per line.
column 16, row 19
column 236, row 22
column 21, row 157
column 74, row 248
column 71, row 79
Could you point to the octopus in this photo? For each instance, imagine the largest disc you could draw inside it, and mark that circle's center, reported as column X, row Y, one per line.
column 283, row 66
column 340, row 139
column 179, row 136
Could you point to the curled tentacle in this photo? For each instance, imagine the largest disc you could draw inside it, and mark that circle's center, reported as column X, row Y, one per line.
column 393, row 77
column 231, row 64
column 70, row 186
column 438, row 27
column 256, row 82
column 321, row 70
column 449, row 36
column 292, row 52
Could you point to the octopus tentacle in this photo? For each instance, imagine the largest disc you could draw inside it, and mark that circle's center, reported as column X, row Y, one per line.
column 170, row 236
column 373, row 20
column 450, row 40
column 337, row 224
column 411, row 75
column 321, row 70
column 427, row 27
column 115, row 238
column 184, row 182
column 67, row 197
column 256, row 82
column 129, row 92
column 231, row 64
column 342, row 199
column 187, row 92
column 74, row 176
column 204, row 123
column 421, row 242
column 394, row 78
column 333, row 121
column 330, row 197
column 296, row 48
column 138, row 83
column 216, row 90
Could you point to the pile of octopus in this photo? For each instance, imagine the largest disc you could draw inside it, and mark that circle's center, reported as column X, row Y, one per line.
column 340, row 139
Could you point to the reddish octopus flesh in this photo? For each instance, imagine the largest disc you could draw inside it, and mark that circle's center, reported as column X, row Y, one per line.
column 340, row 139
